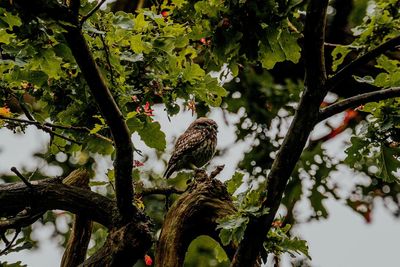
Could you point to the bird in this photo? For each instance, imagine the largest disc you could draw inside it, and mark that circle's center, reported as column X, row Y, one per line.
column 195, row 147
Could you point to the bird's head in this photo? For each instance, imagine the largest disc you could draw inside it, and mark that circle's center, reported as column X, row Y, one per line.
column 204, row 123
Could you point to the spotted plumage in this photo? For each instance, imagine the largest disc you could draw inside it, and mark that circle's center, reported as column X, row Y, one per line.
column 195, row 147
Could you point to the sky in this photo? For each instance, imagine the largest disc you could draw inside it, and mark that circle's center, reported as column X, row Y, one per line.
column 342, row 240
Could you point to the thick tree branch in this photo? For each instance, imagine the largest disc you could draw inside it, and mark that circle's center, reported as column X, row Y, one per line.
column 124, row 246
column 363, row 59
column 358, row 100
column 78, row 241
column 51, row 194
column 195, row 213
column 304, row 120
column 123, row 163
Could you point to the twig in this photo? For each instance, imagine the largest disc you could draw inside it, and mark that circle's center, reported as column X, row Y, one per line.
column 107, row 51
column 64, row 127
column 91, row 12
column 22, row 219
column 10, row 244
column 26, row 182
column 216, row 171
column 342, row 45
column 4, row 238
column 363, row 59
column 358, row 100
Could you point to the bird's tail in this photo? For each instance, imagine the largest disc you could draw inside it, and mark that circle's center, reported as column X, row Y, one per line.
column 168, row 172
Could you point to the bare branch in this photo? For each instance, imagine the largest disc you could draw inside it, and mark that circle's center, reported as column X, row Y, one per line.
column 10, row 244
column 91, row 12
column 358, row 100
column 26, row 182
column 40, row 127
column 217, row 171
column 304, row 120
column 58, row 126
column 363, row 59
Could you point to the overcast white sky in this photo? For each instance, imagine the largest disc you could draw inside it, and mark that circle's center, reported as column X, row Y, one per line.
column 343, row 240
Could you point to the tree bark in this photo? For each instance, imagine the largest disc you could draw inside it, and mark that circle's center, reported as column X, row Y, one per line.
column 75, row 251
column 195, row 213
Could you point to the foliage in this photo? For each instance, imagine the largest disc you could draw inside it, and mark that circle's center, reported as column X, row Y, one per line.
column 242, row 57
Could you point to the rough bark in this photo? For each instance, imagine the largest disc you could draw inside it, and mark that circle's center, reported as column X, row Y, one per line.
column 76, row 248
column 195, row 213
column 296, row 138
column 50, row 194
column 124, row 246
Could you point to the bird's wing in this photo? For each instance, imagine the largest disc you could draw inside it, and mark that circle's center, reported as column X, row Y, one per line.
column 189, row 141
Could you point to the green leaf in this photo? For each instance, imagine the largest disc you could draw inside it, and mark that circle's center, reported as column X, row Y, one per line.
column 338, row 55
column 138, row 46
column 48, row 62
column 15, row 264
column 98, row 145
column 140, row 24
column 152, row 135
column 279, row 45
column 192, row 72
column 134, row 124
column 295, row 245
column 11, row 20
column 220, row 254
column 390, row 163
column 6, row 37
column 233, row 184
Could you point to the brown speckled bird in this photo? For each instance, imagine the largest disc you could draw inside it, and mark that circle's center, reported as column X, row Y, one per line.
column 195, row 147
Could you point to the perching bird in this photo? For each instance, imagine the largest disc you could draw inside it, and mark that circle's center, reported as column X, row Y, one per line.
column 195, row 147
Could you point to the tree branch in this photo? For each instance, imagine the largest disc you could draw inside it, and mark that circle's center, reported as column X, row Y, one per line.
column 40, row 126
column 78, row 241
column 304, row 120
column 123, row 163
column 361, row 60
column 358, row 100
column 50, row 194
column 58, row 126
column 20, row 176
column 195, row 213
column 91, row 12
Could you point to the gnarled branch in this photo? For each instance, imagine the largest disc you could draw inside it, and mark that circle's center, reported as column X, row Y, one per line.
column 78, row 241
column 51, row 194
column 195, row 213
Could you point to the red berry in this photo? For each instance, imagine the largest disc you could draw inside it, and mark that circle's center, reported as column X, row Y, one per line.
column 148, row 260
